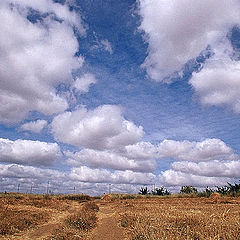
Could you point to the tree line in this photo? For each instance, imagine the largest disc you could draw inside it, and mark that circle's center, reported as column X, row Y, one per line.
column 229, row 189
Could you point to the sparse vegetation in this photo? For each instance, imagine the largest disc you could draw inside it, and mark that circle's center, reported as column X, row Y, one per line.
column 83, row 220
column 143, row 191
column 19, row 212
column 161, row 192
column 229, row 189
column 14, row 220
column 198, row 215
column 75, row 197
column 181, row 218
column 78, row 224
column 188, row 190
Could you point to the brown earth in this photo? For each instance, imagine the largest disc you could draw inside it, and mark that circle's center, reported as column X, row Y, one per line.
column 108, row 227
column 45, row 230
column 144, row 218
column 107, row 222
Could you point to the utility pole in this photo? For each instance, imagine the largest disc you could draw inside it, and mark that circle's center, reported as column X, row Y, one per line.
column 18, row 187
column 74, row 190
column 31, row 188
column 48, row 187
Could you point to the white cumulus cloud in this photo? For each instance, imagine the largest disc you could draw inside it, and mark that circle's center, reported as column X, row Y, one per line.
column 35, row 58
column 110, row 160
column 29, row 152
column 218, row 83
column 177, row 178
column 210, row 169
column 83, row 83
column 34, row 126
column 207, row 150
column 178, row 31
column 100, row 128
column 119, row 177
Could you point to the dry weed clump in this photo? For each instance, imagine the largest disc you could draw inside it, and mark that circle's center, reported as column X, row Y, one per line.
column 66, row 233
column 19, row 212
column 108, row 198
column 90, row 206
column 75, row 197
column 190, row 218
column 12, row 220
column 50, row 203
column 77, row 225
column 38, row 201
column 86, row 219
column 82, row 221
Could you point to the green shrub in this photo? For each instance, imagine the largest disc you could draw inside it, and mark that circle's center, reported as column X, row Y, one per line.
column 229, row 189
column 161, row 192
column 76, row 197
column 188, row 189
column 143, row 191
column 206, row 193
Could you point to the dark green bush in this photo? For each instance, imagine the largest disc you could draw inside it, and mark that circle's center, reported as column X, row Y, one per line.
column 188, row 189
column 143, row 191
column 161, row 191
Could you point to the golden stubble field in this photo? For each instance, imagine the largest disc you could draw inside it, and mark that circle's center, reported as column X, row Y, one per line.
column 118, row 217
column 181, row 218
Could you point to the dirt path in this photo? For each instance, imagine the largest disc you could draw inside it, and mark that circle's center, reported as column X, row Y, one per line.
column 107, row 227
column 42, row 231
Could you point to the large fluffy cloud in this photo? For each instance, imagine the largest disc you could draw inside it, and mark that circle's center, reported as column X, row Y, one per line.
column 207, row 163
column 210, row 169
column 35, row 58
column 177, row 178
column 209, row 149
column 118, row 177
column 101, row 128
column 29, row 152
column 218, row 83
column 60, row 11
column 178, row 31
column 28, row 172
column 108, row 159
column 140, row 151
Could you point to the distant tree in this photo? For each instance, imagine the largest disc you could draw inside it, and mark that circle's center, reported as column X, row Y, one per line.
column 229, row 189
column 233, row 189
column 188, row 189
column 143, row 191
column 161, row 192
column 223, row 190
column 208, row 191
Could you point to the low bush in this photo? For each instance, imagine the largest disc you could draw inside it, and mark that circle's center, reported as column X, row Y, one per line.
column 12, row 221
column 66, row 233
column 188, row 190
column 161, row 192
column 143, row 191
column 90, row 206
column 75, row 197
column 86, row 219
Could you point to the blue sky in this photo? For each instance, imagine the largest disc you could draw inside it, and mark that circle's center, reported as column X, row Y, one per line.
column 129, row 93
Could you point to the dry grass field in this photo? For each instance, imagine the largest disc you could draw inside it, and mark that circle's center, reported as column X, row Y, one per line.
column 181, row 218
column 28, row 216
column 134, row 217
